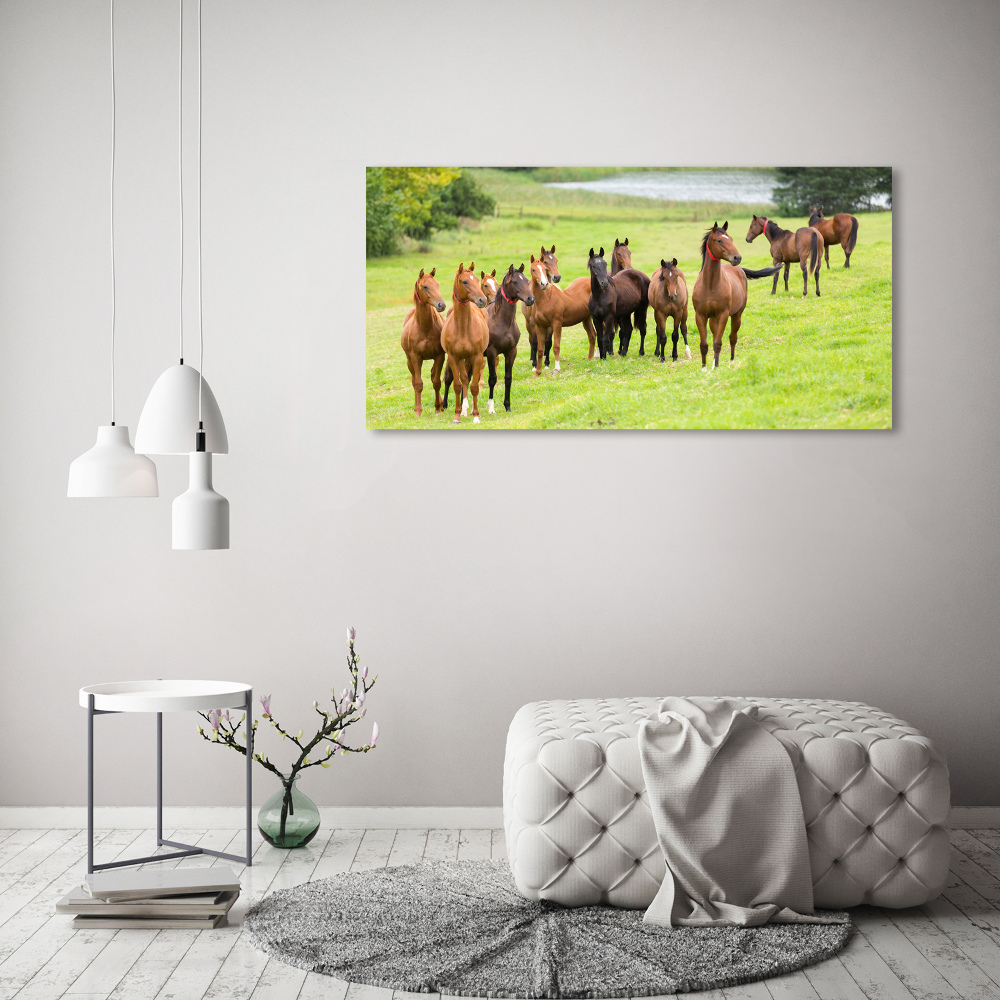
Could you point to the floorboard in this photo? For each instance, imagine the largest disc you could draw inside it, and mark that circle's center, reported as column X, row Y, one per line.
column 948, row 948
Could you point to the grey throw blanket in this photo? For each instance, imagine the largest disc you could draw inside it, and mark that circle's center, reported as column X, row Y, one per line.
column 728, row 817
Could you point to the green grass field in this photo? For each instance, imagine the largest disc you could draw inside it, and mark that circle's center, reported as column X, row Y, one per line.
column 800, row 363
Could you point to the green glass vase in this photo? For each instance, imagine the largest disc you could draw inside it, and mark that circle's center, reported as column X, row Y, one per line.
column 289, row 818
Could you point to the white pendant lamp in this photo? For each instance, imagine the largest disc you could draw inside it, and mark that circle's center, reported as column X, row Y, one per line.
column 169, row 420
column 200, row 515
column 111, row 468
column 181, row 415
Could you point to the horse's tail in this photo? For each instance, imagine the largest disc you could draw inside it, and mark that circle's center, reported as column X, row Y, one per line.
column 853, row 238
column 815, row 257
column 764, row 272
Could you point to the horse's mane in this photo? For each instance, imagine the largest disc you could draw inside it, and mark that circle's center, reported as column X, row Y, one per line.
column 704, row 247
column 777, row 231
column 496, row 303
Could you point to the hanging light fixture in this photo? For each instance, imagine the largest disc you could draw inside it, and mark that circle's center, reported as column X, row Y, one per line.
column 112, row 468
column 181, row 415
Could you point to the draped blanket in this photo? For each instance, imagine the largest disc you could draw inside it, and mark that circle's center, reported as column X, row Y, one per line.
column 728, row 818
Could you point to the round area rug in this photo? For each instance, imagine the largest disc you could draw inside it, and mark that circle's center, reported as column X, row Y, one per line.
column 461, row 927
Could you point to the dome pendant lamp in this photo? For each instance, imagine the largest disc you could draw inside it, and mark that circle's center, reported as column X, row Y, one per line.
column 181, row 415
column 111, row 468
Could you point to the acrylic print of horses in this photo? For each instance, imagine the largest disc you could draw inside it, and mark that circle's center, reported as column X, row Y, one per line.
column 526, row 294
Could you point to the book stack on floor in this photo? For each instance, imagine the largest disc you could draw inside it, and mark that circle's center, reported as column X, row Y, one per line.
column 175, row 897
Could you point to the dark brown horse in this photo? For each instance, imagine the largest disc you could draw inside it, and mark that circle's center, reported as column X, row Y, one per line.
column 504, row 332
column 556, row 308
column 668, row 295
column 464, row 337
column 804, row 247
column 551, row 264
column 720, row 291
column 842, row 229
column 622, row 296
column 421, row 340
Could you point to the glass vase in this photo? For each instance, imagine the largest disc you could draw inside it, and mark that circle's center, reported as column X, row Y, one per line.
column 289, row 818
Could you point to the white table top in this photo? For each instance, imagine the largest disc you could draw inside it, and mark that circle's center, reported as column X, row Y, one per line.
column 165, row 695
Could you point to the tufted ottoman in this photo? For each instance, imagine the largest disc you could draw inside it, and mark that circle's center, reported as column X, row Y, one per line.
column 579, row 831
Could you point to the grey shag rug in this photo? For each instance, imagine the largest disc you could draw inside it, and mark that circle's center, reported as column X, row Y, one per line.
column 461, row 927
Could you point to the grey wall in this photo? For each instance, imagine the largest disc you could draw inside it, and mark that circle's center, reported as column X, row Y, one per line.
column 481, row 571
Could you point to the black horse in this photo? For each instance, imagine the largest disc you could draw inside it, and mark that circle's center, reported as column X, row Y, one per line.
column 501, row 315
column 623, row 297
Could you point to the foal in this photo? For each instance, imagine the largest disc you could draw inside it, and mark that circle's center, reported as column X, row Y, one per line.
column 465, row 336
column 421, row 340
column 804, row 246
column 668, row 295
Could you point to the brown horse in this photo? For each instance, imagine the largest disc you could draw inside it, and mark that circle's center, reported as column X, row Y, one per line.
column 842, row 229
column 621, row 258
column 555, row 308
column 464, row 337
column 720, row 291
column 421, row 340
column 804, row 246
column 551, row 264
column 668, row 295
column 488, row 283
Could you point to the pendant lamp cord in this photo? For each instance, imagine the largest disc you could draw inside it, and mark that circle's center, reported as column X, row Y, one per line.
column 180, row 162
column 113, row 134
column 201, row 332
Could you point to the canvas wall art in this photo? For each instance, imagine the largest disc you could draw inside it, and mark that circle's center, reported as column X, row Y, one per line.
column 629, row 298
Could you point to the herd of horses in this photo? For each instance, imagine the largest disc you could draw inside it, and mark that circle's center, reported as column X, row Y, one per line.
column 481, row 324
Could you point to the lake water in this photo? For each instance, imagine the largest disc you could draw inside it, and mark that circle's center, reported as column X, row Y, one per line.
column 746, row 187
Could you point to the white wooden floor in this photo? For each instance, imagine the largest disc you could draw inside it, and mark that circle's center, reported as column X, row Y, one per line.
column 948, row 948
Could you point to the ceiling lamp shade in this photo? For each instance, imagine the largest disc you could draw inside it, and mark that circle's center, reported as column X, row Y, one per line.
column 111, row 468
column 169, row 420
column 200, row 515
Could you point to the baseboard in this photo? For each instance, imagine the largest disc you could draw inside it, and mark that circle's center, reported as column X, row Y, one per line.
column 975, row 818
column 334, row 817
column 233, row 817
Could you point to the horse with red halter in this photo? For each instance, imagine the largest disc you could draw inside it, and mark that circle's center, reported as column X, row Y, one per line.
column 501, row 315
column 842, row 229
column 720, row 290
column 804, row 247
column 620, row 297
column 556, row 308
column 488, row 283
column 551, row 265
column 668, row 295
column 464, row 337
column 421, row 340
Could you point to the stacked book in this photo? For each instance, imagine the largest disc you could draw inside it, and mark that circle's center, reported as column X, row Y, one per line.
column 175, row 897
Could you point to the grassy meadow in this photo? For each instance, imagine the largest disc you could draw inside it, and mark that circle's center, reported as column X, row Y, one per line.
column 800, row 363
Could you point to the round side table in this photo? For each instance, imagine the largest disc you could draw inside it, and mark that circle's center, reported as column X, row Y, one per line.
column 161, row 696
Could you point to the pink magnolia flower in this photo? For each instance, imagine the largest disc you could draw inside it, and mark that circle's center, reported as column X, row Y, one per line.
column 265, row 701
column 374, row 734
column 214, row 717
column 351, row 633
column 364, row 674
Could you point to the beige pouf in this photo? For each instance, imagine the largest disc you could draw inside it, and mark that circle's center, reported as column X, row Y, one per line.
column 579, row 831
